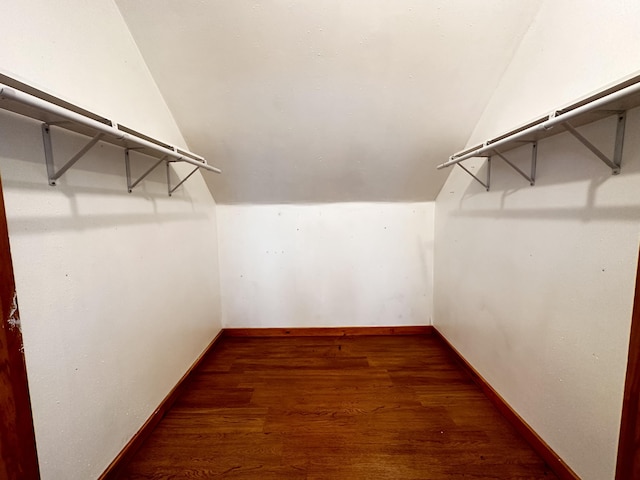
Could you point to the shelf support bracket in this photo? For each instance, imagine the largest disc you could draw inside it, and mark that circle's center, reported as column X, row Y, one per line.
column 615, row 162
column 52, row 174
column 488, row 182
column 171, row 190
column 131, row 185
column 534, row 161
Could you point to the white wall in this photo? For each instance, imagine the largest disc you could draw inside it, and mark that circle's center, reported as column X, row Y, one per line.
column 351, row 264
column 118, row 293
column 534, row 285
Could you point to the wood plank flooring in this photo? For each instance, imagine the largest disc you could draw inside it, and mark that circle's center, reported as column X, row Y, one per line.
column 357, row 407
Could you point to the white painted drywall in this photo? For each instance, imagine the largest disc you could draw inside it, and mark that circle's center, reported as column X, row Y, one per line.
column 118, row 293
column 327, row 101
column 534, row 285
column 352, row 264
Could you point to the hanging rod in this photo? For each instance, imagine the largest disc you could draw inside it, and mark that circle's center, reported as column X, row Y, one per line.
column 614, row 100
column 56, row 112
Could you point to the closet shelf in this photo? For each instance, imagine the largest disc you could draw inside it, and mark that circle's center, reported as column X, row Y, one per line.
column 615, row 100
column 26, row 100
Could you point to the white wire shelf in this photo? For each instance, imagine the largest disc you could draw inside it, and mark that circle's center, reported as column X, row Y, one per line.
column 28, row 101
column 614, row 100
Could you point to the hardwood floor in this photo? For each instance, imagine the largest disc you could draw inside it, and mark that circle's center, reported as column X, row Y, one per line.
column 376, row 407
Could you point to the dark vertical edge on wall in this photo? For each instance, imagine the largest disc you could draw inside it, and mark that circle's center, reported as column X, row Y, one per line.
column 561, row 469
column 628, row 465
column 130, row 449
column 17, row 438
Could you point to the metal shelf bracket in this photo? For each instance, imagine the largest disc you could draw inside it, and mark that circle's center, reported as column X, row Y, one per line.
column 171, row 190
column 615, row 162
column 488, row 181
column 52, row 174
column 131, row 185
column 534, row 161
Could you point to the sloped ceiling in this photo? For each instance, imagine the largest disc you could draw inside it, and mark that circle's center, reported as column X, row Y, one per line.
column 327, row 100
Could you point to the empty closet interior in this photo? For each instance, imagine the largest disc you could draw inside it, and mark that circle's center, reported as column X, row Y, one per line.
column 174, row 170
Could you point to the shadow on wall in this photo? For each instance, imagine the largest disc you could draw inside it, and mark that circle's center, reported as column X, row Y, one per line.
column 425, row 251
column 98, row 178
column 562, row 161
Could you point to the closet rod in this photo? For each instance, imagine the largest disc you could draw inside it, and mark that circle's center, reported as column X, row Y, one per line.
column 44, row 106
column 553, row 120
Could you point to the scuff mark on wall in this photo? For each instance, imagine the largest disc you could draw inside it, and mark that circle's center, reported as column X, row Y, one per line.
column 14, row 317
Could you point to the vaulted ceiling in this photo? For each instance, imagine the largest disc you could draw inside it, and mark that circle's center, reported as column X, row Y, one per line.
column 327, row 100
